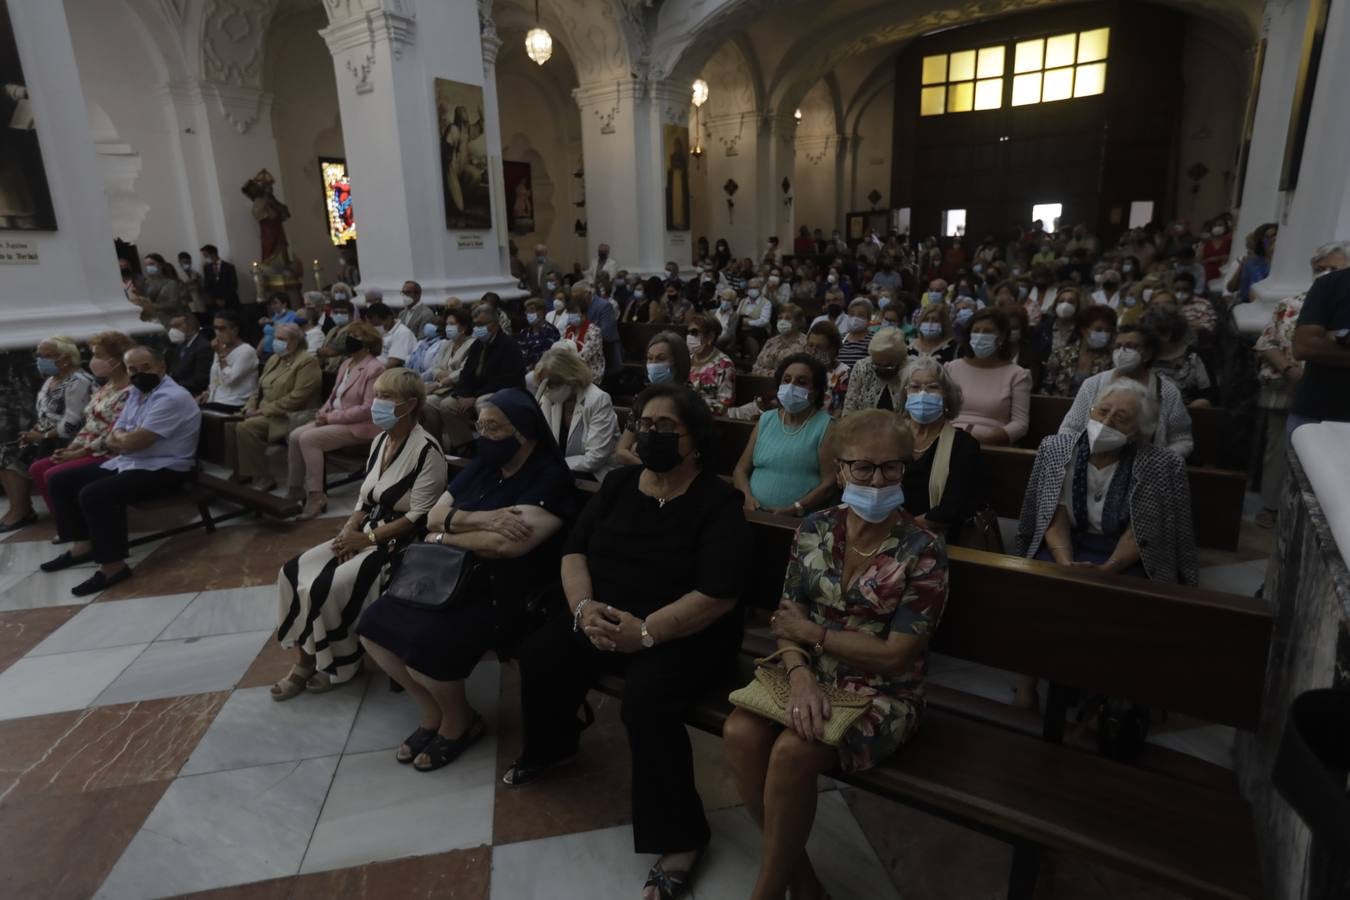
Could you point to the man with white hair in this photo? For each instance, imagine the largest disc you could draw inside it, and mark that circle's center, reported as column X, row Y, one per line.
column 415, row 314
column 537, row 273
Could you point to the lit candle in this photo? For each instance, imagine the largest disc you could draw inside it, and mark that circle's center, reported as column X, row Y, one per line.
column 318, row 276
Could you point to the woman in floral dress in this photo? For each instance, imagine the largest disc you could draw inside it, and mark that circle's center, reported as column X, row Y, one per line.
column 865, row 589
column 712, row 374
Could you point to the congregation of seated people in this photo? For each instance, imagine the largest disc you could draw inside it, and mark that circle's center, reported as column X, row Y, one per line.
column 606, row 536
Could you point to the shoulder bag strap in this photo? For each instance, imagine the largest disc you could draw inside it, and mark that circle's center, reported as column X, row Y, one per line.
column 942, row 465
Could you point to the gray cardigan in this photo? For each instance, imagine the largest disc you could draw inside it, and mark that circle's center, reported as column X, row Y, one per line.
column 1174, row 422
column 1160, row 507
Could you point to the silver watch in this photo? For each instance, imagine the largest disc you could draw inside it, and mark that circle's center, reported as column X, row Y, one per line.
column 647, row 640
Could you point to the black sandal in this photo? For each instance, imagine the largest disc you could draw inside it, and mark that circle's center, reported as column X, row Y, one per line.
column 442, row 751
column 523, row 773
column 416, row 743
column 670, row 885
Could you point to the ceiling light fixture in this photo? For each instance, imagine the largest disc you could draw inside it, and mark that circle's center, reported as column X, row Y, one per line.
column 538, row 42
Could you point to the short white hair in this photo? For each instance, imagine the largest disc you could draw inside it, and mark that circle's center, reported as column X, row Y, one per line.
column 1322, row 252
column 888, row 340
column 1148, row 407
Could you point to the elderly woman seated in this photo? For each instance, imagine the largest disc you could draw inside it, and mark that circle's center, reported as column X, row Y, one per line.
column 997, row 391
column 288, row 392
column 323, row 590
column 507, row 507
column 855, row 326
column 944, row 483
column 874, row 383
column 712, row 374
column 787, row 341
column 579, row 414
column 1086, row 353
column 651, row 572
column 60, row 414
column 864, row 591
column 667, row 361
column 344, row 420
column 786, row 466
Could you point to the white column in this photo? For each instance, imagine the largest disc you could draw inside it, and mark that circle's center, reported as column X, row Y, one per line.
column 387, row 56
column 1318, row 209
column 777, row 157
column 621, row 136
column 73, row 287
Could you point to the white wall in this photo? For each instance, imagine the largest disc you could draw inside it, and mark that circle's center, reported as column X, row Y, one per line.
column 870, row 161
column 1215, row 82
column 731, row 132
column 120, row 74
column 817, row 145
column 307, row 125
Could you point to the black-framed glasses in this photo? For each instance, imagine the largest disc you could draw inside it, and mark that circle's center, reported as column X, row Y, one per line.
column 661, row 425
column 862, row 470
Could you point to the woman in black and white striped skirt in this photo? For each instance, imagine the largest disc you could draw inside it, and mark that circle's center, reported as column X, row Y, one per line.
column 324, row 589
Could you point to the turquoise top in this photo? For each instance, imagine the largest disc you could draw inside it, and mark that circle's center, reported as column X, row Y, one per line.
column 787, row 460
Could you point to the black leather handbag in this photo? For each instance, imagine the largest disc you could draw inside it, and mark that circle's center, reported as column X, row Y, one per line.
column 431, row 576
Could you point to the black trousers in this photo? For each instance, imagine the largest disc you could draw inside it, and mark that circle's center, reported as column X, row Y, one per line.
column 90, row 504
column 558, row 667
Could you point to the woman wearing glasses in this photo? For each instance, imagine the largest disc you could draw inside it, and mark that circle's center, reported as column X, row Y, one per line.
column 711, row 372
column 865, row 588
column 651, row 571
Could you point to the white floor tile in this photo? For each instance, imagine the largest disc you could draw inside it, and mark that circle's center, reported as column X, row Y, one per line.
column 252, row 729
column 380, row 810
column 192, row 666
column 222, row 829
column 64, row 681
column 599, row 864
column 42, row 589
column 227, row 612
column 386, row 719
column 114, row 623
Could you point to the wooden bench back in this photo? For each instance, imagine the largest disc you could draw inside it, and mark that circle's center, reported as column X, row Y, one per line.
column 1184, row 649
column 748, row 387
column 634, row 336
column 1211, row 427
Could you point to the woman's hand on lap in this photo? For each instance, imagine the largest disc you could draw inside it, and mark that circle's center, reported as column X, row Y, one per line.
column 807, row 705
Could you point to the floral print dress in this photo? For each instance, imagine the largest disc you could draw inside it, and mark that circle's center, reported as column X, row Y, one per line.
column 1278, row 335
column 903, row 589
column 714, row 380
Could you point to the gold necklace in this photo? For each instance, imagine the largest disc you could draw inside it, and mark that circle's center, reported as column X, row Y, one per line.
column 867, row 553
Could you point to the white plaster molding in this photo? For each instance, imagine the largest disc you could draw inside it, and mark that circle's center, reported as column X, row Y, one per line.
column 491, row 42
column 357, row 28
column 241, row 106
column 232, row 36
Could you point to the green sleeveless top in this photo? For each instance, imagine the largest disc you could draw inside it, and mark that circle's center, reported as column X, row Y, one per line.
column 787, row 460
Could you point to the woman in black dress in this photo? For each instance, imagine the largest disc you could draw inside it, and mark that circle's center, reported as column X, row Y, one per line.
column 508, row 506
column 944, row 503
column 652, row 571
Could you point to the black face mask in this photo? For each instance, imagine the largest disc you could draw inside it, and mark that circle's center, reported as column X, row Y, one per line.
column 497, row 452
column 352, row 344
column 659, row 452
column 145, row 382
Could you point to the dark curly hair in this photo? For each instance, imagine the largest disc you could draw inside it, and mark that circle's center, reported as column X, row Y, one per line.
column 819, row 377
column 693, row 413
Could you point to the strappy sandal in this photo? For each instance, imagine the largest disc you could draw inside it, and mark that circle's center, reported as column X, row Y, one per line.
column 523, row 773
column 442, row 751
column 293, row 684
column 416, row 743
column 671, row 885
column 319, row 683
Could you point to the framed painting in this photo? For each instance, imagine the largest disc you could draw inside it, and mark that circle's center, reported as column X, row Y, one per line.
column 519, row 196
column 337, row 201
column 1300, row 111
column 25, row 198
column 464, row 157
column 675, row 139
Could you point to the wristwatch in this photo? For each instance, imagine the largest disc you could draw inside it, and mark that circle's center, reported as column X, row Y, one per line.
column 819, row 648
column 370, row 533
column 647, row 640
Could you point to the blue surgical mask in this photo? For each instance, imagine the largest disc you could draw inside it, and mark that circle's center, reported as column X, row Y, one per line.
column 452, row 332
column 873, row 504
column 659, row 372
column 341, row 295
column 639, row 293
column 573, row 319
column 935, row 296
column 924, row 407
column 793, row 398
column 930, row 330
column 532, row 318
column 884, row 302
column 152, row 270
column 46, row 367
column 1098, row 339
column 983, row 345
column 341, row 319
column 383, row 413
column 429, row 330
column 964, row 316
column 279, row 346
column 481, row 332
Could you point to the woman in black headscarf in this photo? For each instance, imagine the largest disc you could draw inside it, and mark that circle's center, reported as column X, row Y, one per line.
column 508, row 507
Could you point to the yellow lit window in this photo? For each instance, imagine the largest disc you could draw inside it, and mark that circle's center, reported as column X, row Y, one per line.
column 1029, row 57
column 935, row 69
column 1090, row 80
column 1026, row 89
column 1060, row 67
column 1092, row 45
column 1058, row 85
column 961, row 97
column 933, row 101
column 1060, row 50
column 989, row 93
column 962, row 66
column 990, row 63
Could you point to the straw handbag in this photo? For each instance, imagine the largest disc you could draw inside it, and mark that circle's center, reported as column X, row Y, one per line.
column 769, row 693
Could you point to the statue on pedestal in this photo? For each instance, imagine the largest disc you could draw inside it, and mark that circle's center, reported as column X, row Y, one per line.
column 276, row 267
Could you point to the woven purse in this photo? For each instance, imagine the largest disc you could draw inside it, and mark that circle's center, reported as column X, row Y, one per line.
column 769, row 693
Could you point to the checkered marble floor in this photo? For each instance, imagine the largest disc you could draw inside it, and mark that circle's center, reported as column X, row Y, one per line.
column 141, row 756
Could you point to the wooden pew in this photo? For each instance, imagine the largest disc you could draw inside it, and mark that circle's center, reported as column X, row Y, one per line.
column 1211, row 427
column 634, row 336
column 748, row 387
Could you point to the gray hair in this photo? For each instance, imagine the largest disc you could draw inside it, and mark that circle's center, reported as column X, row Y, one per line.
column 1322, row 252
column 1148, row 407
column 862, row 301
column 952, row 396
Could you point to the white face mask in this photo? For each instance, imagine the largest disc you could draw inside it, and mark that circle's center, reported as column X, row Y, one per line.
column 1127, row 359
column 784, row 326
column 1103, row 438
column 1066, row 310
column 176, row 336
column 558, row 305
column 1217, row 231
column 854, row 324
column 694, row 344
column 559, row 394
column 409, row 300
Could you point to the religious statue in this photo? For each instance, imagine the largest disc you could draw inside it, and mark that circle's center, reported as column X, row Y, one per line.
column 276, row 269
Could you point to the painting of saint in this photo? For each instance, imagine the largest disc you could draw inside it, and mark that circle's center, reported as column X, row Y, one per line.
column 25, row 200
column 464, row 162
column 519, row 197
column 676, row 139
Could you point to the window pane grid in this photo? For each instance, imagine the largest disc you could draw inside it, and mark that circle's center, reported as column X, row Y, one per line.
column 1044, row 70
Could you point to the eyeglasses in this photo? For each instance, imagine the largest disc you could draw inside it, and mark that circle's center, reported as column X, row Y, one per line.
column 914, row 388
column 862, row 470
column 495, row 430
column 1118, row 419
column 660, row 425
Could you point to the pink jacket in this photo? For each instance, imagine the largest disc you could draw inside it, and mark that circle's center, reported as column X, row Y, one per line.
column 356, row 399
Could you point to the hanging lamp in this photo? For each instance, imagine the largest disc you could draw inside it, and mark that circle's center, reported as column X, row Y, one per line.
column 538, row 42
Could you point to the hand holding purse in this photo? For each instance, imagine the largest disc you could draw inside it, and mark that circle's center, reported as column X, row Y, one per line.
column 769, row 694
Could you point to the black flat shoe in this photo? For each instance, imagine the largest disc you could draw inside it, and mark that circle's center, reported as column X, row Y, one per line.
column 22, row 523
column 416, row 743
column 523, row 773
column 65, row 561
column 100, row 582
column 442, row 751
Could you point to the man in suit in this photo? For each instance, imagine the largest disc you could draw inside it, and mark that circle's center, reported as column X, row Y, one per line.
column 603, row 263
column 536, row 274
column 190, row 354
column 220, row 282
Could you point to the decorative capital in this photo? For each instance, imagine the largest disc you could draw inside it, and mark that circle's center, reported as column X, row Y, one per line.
column 241, row 106
column 232, row 38
column 358, row 27
column 492, row 44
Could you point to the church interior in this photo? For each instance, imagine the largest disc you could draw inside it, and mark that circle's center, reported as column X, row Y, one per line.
column 675, row 297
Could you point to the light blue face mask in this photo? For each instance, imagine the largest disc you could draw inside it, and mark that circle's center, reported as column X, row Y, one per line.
column 964, row 316
column 930, row 330
column 481, row 332
column 793, row 398
column 279, row 346
column 341, row 319
column 935, row 296
column 532, row 318
column 452, row 332
column 1098, row 340
column 429, row 330
column 383, row 413
column 924, row 407
column 659, row 372
column 573, row 319
column 873, row 504
column 983, row 345
column 46, row 367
